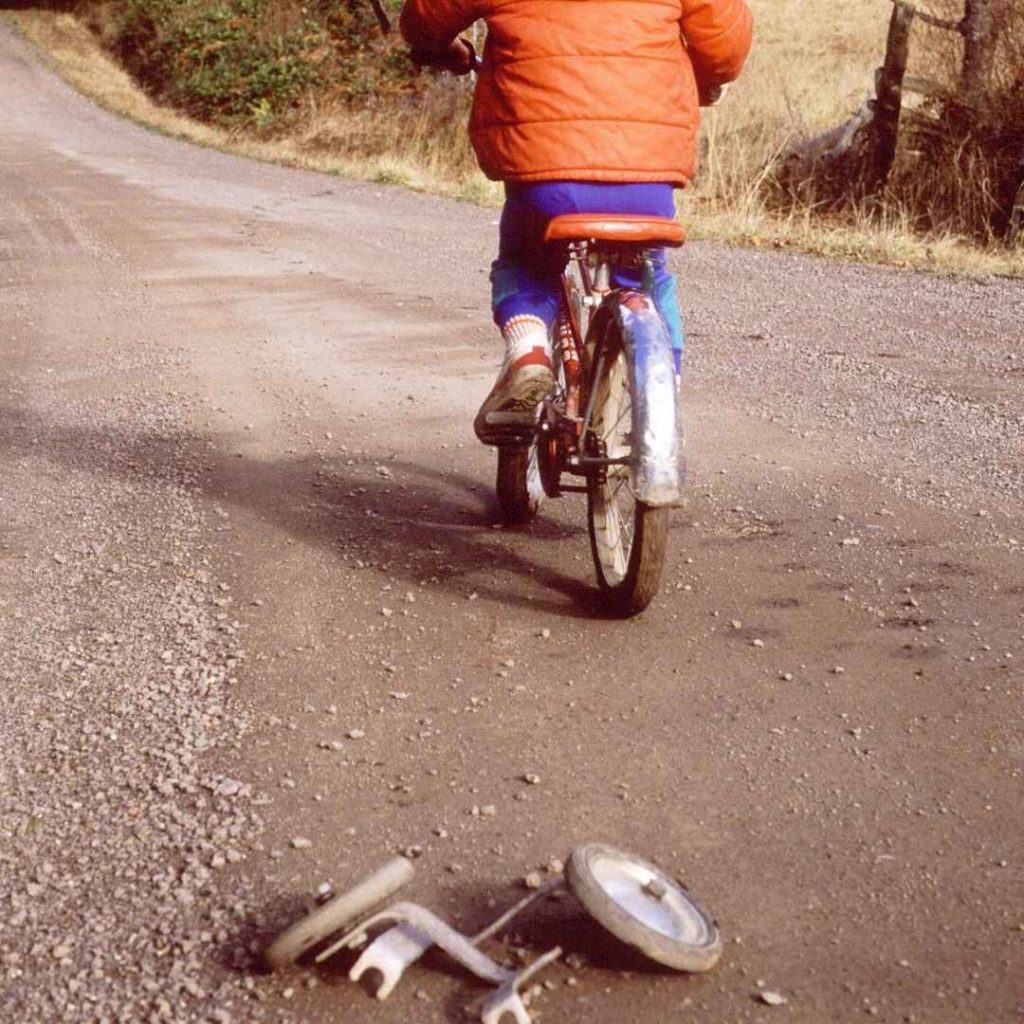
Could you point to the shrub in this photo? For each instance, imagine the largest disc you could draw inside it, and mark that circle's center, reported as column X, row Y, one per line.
column 210, row 60
column 233, row 61
column 962, row 165
column 960, row 160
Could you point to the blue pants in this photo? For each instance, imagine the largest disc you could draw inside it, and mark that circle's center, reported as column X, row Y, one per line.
column 526, row 276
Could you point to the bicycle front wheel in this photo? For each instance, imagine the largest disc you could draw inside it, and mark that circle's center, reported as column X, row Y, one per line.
column 628, row 538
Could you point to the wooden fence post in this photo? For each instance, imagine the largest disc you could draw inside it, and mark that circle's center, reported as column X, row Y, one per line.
column 978, row 30
column 1015, row 224
column 885, row 125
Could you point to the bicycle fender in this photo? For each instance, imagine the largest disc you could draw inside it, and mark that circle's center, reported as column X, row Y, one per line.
column 656, row 426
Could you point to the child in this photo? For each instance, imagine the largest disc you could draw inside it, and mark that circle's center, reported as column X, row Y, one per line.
column 582, row 106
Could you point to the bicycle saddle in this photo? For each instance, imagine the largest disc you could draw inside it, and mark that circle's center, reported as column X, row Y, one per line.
column 620, row 227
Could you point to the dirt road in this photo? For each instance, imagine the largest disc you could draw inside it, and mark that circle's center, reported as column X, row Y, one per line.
column 252, row 592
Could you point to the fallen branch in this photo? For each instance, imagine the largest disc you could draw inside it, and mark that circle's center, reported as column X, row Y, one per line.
column 925, row 87
column 943, row 23
column 382, row 16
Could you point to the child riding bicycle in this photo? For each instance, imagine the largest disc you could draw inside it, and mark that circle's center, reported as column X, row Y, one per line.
column 582, row 106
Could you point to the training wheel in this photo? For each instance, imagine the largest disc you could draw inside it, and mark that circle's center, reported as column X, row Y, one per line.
column 337, row 913
column 645, row 908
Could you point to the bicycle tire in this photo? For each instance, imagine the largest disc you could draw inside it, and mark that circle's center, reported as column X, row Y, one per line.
column 338, row 913
column 628, row 561
column 643, row 907
column 517, row 483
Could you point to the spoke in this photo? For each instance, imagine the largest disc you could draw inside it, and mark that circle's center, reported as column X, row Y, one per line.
column 626, row 518
column 620, row 516
column 617, row 434
column 625, row 408
column 613, row 424
column 619, row 557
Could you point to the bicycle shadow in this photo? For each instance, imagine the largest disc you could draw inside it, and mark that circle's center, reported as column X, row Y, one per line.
column 414, row 521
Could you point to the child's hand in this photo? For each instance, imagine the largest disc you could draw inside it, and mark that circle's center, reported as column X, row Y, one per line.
column 459, row 58
column 712, row 97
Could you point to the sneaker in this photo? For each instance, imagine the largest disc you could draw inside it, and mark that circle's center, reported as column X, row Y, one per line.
column 526, row 377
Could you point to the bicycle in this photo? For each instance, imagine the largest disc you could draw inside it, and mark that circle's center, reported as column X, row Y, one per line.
column 612, row 418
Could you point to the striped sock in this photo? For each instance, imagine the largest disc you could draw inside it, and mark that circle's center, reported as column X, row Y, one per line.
column 523, row 335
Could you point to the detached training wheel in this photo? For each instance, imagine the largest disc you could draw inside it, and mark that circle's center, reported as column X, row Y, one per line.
column 338, row 912
column 644, row 907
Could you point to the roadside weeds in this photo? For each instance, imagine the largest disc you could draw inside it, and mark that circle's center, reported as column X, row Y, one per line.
column 717, row 208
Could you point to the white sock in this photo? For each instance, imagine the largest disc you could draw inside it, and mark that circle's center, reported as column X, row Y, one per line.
column 522, row 335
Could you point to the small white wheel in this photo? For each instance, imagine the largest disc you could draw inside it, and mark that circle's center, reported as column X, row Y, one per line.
column 339, row 912
column 645, row 908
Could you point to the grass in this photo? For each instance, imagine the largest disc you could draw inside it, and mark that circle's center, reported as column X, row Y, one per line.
column 811, row 67
column 334, row 141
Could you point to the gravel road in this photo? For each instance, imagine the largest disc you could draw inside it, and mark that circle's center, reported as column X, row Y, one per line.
column 258, row 626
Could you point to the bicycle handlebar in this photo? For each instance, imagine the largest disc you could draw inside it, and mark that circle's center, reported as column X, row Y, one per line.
column 446, row 61
column 382, row 16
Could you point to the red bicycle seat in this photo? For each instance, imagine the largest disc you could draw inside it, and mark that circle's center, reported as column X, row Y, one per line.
column 620, row 227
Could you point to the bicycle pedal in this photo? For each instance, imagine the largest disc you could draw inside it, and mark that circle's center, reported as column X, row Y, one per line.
column 507, row 428
column 506, row 439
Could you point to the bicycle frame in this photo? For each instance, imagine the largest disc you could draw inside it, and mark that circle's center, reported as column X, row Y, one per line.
column 590, row 301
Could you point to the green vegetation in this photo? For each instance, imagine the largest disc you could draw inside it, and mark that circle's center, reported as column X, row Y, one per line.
column 254, row 63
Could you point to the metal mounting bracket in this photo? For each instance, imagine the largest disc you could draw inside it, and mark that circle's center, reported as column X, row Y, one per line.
column 415, row 929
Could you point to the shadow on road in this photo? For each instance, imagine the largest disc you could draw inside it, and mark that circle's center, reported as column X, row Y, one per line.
column 414, row 522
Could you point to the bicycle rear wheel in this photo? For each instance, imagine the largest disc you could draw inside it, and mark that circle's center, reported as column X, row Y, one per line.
column 628, row 539
column 518, row 485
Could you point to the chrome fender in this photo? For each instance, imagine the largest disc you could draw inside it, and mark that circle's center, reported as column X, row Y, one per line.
column 657, row 430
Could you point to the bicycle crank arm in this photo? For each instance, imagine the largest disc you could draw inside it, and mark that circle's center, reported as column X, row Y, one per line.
column 594, row 460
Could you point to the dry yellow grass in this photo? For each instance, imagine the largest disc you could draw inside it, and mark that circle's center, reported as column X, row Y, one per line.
column 813, row 63
column 809, row 70
column 77, row 57
column 330, row 141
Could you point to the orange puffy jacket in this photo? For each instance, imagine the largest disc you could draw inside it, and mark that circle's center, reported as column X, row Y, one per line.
column 590, row 90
